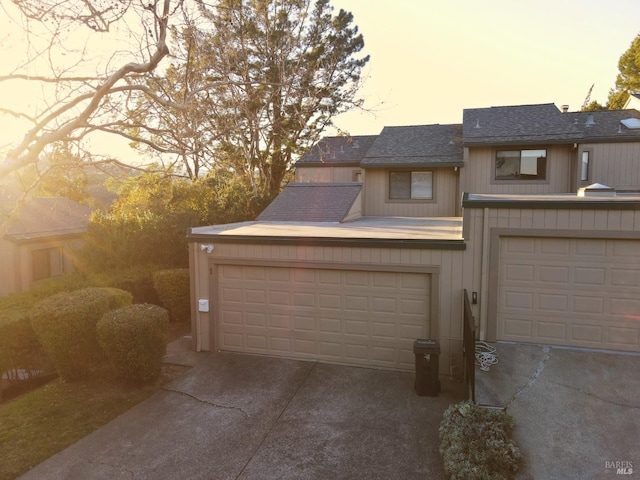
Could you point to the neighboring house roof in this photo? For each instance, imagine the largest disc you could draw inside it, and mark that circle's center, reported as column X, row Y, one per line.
column 43, row 217
column 633, row 101
column 544, row 123
column 312, row 202
column 338, row 151
column 417, row 146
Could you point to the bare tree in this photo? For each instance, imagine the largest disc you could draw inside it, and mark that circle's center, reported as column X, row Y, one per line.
column 76, row 99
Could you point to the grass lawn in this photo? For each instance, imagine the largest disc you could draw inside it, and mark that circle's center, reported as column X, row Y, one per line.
column 40, row 423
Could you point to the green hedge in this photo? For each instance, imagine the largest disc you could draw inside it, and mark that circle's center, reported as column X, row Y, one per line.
column 173, row 290
column 65, row 324
column 134, row 339
column 21, row 355
column 475, row 443
column 137, row 280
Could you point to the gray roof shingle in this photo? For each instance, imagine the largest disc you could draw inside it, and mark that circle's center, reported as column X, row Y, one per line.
column 417, row 146
column 544, row 123
column 343, row 151
column 312, row 202
column 44, row 217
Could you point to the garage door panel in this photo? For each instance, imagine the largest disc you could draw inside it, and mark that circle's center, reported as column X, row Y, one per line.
column 553, row 332
column 552, row 302
column 514, row 299
column 623, row 336
column 553, row 274
column 354, row 317
column 589, row 305
column 625, row 278
column 589, row 276
column 587, row 333
column 514, row 327
column 625, row 307
column 589, row 298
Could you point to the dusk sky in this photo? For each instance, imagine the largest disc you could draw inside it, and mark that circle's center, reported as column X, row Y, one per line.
column 431, row 59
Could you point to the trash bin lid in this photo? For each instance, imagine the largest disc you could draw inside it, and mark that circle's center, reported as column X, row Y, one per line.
column 423, row 345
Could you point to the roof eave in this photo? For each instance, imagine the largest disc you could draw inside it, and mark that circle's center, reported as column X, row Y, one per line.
column 436, row 244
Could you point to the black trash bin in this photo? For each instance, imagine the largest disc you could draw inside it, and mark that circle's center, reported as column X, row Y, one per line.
column 427, row 354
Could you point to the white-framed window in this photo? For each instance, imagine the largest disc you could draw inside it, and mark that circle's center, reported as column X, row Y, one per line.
column 525, row 164
column 47, row 262
column 411, row 185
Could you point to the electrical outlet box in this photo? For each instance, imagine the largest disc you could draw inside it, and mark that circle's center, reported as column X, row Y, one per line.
column 203, row 305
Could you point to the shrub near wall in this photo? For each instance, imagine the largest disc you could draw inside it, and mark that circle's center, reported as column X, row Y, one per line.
column 173, row 289
column 65, row 325
column 134, row 339
column 475, row 444
column 21, row 355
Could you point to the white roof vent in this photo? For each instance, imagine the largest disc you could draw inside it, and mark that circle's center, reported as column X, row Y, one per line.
column 596, row 190
column 631, row 123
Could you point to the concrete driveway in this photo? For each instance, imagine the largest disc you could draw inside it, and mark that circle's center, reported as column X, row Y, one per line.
column 576, row 412
column 247, row 417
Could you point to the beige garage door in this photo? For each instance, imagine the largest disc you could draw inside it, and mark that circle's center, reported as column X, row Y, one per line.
column 576, row 292
column 342, row 316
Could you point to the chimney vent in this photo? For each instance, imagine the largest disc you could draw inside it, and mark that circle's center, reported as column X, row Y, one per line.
column 565, row 108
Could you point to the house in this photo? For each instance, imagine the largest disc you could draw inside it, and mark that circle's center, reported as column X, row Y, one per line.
column 633, row 101
column 375, row 242
column 38, row 241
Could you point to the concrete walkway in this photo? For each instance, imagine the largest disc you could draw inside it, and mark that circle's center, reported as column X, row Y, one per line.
column 238, row 416
column 576, row 412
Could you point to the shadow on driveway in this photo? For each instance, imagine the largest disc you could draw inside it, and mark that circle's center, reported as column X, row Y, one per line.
column 239, row 416
column 576, row 412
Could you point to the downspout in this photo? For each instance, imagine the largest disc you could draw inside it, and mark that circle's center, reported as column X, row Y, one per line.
column 484, row 276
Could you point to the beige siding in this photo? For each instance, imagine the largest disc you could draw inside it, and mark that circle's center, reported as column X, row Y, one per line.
column 9, row 266
column 478, row 173
column 445, row 268
column 16, row 262
column 377, row 203
column 615, row 164
column 326, row 174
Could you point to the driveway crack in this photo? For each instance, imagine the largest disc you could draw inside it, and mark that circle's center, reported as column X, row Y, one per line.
column 534, row 377
column 207, row 402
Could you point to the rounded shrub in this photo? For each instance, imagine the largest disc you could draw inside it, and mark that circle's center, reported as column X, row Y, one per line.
column 65, row 324
column 172, row 286
column 476, row 444
column 134, row 339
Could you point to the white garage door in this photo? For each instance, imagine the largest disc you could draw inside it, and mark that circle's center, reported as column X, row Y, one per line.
column 576, row 292
column 341, row 316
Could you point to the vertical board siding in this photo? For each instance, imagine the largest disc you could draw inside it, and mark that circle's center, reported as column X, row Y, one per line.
column 616, row 165
column 554, row 219
column 478, row 174
column 376, row 201
column 325, row 174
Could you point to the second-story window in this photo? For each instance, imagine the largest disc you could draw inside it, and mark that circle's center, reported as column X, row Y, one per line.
column 521, row 164
column 411, row 185
column 584, row 166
